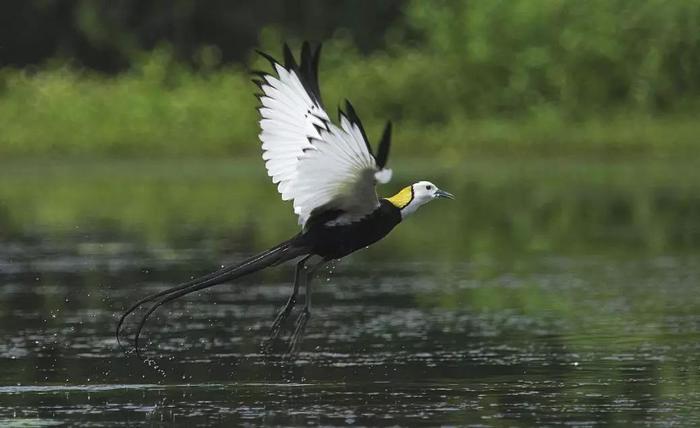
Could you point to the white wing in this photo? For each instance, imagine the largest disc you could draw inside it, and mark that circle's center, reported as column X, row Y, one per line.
column 317, row 164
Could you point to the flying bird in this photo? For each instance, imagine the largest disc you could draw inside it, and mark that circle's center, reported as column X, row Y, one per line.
column 329, row 172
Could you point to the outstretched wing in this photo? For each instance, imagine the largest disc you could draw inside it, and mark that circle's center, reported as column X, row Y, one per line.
column 318, row 165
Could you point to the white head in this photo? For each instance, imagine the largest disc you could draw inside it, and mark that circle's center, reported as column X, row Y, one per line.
column 411, row 197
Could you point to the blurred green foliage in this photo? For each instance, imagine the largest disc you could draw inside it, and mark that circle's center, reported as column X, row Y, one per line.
column 458, row 77
column 579, row 58
column 157, row 108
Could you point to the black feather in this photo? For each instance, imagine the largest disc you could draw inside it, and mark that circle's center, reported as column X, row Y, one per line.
column 289, row 62
column 352, row 115
column 305, row 71
column 267, row 57
column 314, row 67
column 384, row 143
column 308, row 72
column 305, row 56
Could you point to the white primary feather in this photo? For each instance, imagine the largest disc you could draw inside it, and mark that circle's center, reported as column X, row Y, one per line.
column 338, row 173
column 314, row 162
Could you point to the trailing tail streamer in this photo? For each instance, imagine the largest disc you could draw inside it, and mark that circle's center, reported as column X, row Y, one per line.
column 279, row 254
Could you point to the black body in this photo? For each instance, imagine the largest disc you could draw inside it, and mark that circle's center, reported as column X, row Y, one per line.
column 336, row 241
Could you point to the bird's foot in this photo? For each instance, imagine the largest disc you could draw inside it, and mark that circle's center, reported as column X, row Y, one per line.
column 299, row 329
column 269, row 343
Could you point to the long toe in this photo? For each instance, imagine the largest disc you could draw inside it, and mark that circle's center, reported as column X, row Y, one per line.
column 281, row 318
column 299, row 331
column 269, row 344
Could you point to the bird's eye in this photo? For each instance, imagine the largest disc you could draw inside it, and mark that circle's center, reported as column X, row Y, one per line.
column 428, row 187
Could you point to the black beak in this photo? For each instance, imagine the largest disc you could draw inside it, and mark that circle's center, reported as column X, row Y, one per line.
column 443, row 194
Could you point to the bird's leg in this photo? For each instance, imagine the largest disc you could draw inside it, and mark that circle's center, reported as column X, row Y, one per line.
column 300, row 275
column 303, row 318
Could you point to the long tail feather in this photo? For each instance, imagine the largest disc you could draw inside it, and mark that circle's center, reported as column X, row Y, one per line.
column 283, row 252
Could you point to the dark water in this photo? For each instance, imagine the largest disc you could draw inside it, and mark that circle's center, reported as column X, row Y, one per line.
column 538, row 340
column 545, row 294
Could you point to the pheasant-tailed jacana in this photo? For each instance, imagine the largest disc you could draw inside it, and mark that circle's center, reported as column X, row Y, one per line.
column 328, row 170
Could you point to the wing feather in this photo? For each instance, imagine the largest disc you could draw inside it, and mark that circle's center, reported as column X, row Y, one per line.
column 318, row 165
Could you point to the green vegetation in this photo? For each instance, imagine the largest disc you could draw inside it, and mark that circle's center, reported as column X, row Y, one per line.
column 458, row 77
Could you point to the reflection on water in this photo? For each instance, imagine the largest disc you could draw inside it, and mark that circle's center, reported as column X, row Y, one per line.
column 541, row 340
column 441, row 324
column 501, row 207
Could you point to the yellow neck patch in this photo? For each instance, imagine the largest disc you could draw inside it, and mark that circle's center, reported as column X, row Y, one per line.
column 403, row 198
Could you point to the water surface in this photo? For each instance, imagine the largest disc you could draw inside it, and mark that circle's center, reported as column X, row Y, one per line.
column 443, row 324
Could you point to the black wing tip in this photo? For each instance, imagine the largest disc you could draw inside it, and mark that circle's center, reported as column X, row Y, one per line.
column 290, row 62
column 306, row 69
column 268, row 57
column 354, row 118
column 305, row 51
column 384, row 145
column 351, row 114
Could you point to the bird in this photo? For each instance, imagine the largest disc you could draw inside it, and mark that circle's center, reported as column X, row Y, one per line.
column 329, row 172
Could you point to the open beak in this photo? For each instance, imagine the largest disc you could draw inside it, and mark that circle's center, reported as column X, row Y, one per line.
column 443, row 194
